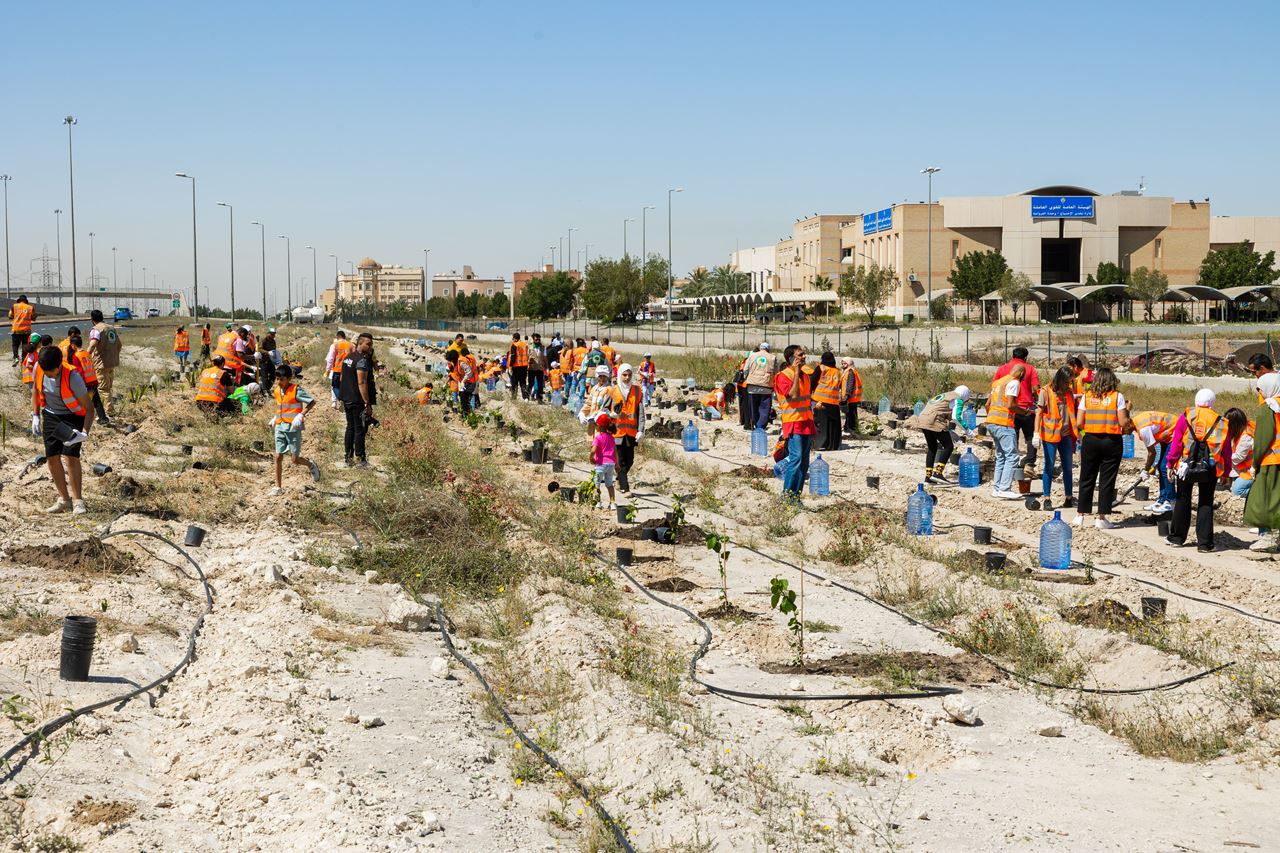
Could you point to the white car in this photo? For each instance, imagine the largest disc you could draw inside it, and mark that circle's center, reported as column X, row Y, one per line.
column 153, row 312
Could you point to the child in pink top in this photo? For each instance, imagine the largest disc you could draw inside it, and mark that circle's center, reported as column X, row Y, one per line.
column 604, row 455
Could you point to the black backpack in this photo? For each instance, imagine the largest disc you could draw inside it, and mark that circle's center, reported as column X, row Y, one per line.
column 1202, row 463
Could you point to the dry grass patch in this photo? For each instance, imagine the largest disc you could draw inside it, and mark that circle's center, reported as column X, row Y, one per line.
column 375, row 638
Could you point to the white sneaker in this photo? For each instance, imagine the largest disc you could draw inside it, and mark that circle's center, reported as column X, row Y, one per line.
column 1078, row 521
column 1103, row 524
column 613, row 506
column 58, row 506
column 1155, row 507
column 78, row 508
column 1164, row 507
column 1009, row 495
column 275, row 492
column 1268, row 544
column 996, row 493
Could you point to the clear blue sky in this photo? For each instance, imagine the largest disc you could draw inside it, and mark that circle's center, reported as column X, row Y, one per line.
column 484, row 130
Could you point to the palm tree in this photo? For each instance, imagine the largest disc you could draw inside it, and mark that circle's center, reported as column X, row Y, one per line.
column 727, row 279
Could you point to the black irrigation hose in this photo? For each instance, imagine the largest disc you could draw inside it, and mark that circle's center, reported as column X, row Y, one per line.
column 1222, row 604
column 34, row 738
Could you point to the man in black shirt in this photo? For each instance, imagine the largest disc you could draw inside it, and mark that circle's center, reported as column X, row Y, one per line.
column 358, row 394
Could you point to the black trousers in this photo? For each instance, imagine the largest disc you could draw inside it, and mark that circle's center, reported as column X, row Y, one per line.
column 353, row 442
column 1099, row 464
column 746, row 411
column 519, row 382
column 1180, row 524
column 19, row 338
column 268, row 372
column 626, row 458
column 940, row 446
column 98, row 407
column 827, row 420
column 467, row 397
column 851, row 417
column 1026, row 424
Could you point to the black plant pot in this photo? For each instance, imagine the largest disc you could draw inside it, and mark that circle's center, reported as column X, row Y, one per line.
column 194, row 537
column 623, row 512
column 994, row 562
column 1162, row 528
column 259, row 446
column 624, row 556
column 648, row 534
column 982, row 429
column 528, row 455
column 78, row 634
column 566, row 495
column 681, row 406
column 873, row 482
column 557, row 465
column 186, row 449
column 100, row 469
column 981, row 535
column 1142, row 493
column 1153, row 608
column 899, row 444
column 663, row 534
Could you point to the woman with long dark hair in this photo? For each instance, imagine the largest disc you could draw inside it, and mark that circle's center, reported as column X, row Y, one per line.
column 1056, row 431
column 1102, row 417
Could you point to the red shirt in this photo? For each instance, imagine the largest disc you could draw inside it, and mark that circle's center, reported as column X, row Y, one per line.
column 1028, row 388
column 782, row 384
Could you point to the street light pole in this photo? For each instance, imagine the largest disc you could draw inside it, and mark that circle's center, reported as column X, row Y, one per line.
column 670, row 269
column 426, row 280
column 335, row 282
column 91, row 260
column 57, row 217
column 571, row 230
column 587, row 256
column 195, row 264
column 561, row 253
column 624, row 236
column 288, row 272
column 315, row 286
column 262, row 235
column 930, row 170
column 644, row 247
column 553, row 258
column 115, row 272
column 70, row 121
column 6, row 179
column 232, row 233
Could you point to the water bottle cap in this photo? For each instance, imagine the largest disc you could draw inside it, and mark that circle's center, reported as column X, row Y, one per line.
column 818, row 457
column 1057, row 516
column 919, row 487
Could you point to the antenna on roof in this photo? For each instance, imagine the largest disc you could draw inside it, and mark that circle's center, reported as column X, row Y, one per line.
column 1142, row 184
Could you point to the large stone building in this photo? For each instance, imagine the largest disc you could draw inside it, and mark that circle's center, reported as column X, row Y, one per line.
column 378, row 284
column 467, row 283
column 813, row 249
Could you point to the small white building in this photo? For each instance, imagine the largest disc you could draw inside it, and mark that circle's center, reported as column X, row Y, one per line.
column 758, row 263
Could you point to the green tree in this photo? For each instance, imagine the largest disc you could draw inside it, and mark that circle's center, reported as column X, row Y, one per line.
column 441, row 308
column 499, row 305
column 823, row 282
column 726, row 279
column 615, row 291
column 1146, row 286
column 1015, row 288
column 698, row 284
column 869, row 288
column 548, row 296
column 976, row 274
column 1238, row 265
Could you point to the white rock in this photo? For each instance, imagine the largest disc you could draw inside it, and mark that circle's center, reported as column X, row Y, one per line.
column 401, row 822
column 371, row 721
column 42, row 597
column 960, row 709
column 127, row 643
column 440, row 668
column 350, row 716
column 796, row 687
column 431, row 823
column 273, row 574
column 371, row 576
column 409, row 615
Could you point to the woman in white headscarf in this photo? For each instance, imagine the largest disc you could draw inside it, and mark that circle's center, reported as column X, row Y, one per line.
column 628, row 414
column 1262, row 507
column 1219, row 432
column 934, row 421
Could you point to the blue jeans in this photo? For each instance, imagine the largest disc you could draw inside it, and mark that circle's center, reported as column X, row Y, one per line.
column 764, row 406
column 1167, row 486
column 1007, row 458
column 648, row 392
column 1240, row 487
column 1052, row 452
column 796, row 465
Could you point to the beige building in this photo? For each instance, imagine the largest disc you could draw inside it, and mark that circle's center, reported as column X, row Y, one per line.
column 378, row 284
column 450, row 284
column 812, row 250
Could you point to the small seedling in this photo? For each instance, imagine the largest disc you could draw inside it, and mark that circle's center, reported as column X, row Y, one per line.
column 677, row 516
column 720, row 544
column 587, row 491
column 783, row 599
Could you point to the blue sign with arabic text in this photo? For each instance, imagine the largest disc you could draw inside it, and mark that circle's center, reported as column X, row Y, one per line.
column 1062, row 207
column 880, row 220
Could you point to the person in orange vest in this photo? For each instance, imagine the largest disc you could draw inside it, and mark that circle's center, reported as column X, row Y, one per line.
column 30, row 353
column 648, row 376
column 206, row 340
column 851, row 389
column 1002, row 410
column 213, row 387
column 1199, row 461
column 1056, row 432
column 292, row 404
column 78, row 359
column 794, row 387
column 62, row 413
column 182, row 347
column 1102, row 416
column 21, row 313
column 555, row 379
column 610, row 355
column 227, row 349
column 1155, row 431
column 338, row 351
column 1262, row 507
column 715, row 403
column 628, row 419
column 826, row 404
column 518, row 364
column 1081, row 375
column 423, row 394
column 465, row 371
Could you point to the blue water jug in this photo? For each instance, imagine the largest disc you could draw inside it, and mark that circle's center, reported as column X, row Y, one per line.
column 1055, row 543
column 917, row 408
column 557, row 398
column 1128, row 446
column 920, row 512
column 689, row 438
column 970, row 470
column 759, row 442
column 690, row 383
column 883, row 408
column 819, row 477
column 969, row 417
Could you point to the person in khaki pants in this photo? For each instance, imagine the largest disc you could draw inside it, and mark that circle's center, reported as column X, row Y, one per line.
column 104, row 349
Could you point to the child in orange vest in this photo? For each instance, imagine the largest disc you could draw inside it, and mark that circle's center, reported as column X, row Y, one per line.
column 292, row 404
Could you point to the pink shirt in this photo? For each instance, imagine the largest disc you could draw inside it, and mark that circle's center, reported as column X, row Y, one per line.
column 604, row 449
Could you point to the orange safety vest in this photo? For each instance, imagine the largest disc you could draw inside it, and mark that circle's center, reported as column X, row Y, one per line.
column 1201, row 426
column 1101, row 414
column 799, row 410
column 556, row 378
column 204, row 337
column 341, row 349
column 627, row 410
column 423, row 395
column 1272, row 456
column 28, row 365
column 715, row 400
column 520, row 354
column 579, row 356
column 1162, row 424
column 827, row 391
column 470, row 360
column 1056, row 418
column 226, row 342
column 182, row 341
column 648, row 371
column 84, row 364
column 1081, row 382
column 610, row 355
column 855, row 393
column 64, row 390
column 999, row 404
column 287, row 405
column 22, row 314
column 209, row 389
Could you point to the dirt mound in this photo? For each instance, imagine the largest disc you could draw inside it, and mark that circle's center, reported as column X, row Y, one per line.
column 963, row 668
column 728, row 611
column 752, row 472
column 676, row 584
column 82, row 557
column 1104, row 613
column 688, row 534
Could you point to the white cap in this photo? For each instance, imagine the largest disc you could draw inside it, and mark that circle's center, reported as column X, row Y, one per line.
column 764, row 345
column 601, row 370
column 648, row 355
column 555, row 364
column 1205, row 397
column 963, row 392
